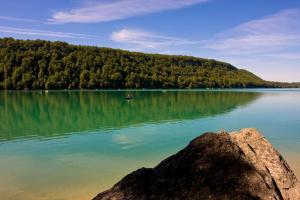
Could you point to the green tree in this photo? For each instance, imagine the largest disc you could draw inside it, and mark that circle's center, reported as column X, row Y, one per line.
column 38, row 64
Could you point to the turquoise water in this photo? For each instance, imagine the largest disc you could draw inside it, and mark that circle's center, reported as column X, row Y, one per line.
column 74, row 144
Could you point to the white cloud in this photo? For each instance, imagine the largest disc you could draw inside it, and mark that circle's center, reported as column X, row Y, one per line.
column 143, row 40
column 101, row 11
column 20, row 19
column 33, row 32
column 269, row 46
column 275, row 33
column 289, row 55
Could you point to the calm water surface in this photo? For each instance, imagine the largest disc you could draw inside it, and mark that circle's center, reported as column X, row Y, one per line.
column 72, row 145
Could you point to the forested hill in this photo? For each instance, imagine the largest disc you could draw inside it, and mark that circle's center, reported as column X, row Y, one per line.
column 27, row 64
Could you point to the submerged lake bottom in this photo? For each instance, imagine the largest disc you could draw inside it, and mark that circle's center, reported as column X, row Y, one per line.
column 63, row 145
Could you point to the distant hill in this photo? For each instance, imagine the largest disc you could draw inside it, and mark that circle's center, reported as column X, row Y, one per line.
column 38, row 64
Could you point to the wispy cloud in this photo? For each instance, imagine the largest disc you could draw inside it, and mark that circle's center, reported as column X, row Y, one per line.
column 288, row 55
column 101, row 11
column 144, row 40
column 20, row 19
column 275, row 33
column 33, row 32
column 268, row 46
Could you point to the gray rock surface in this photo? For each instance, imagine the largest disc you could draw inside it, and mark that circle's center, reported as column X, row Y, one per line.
column 239, row 165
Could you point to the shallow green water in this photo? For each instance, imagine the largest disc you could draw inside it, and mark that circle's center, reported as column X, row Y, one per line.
column 72, row 145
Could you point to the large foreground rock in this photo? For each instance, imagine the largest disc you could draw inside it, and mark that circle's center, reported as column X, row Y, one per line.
column 239, row 165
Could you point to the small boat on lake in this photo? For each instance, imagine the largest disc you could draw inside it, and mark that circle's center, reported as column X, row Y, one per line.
column 129, row 97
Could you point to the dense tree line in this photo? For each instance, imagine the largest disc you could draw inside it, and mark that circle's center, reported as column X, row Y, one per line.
column 38, row 64
column 283, row 85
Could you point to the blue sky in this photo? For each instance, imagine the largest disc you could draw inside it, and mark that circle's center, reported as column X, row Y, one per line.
column 262, row 36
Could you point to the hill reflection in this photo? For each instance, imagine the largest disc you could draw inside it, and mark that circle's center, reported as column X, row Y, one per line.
column 37, row 114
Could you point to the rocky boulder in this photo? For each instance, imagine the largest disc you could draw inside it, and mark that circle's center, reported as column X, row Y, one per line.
column 238, row 165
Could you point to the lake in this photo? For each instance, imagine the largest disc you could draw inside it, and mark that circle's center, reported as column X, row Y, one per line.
column 62, row 145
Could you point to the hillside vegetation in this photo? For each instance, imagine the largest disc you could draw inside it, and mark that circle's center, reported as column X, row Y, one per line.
column 37, row 64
